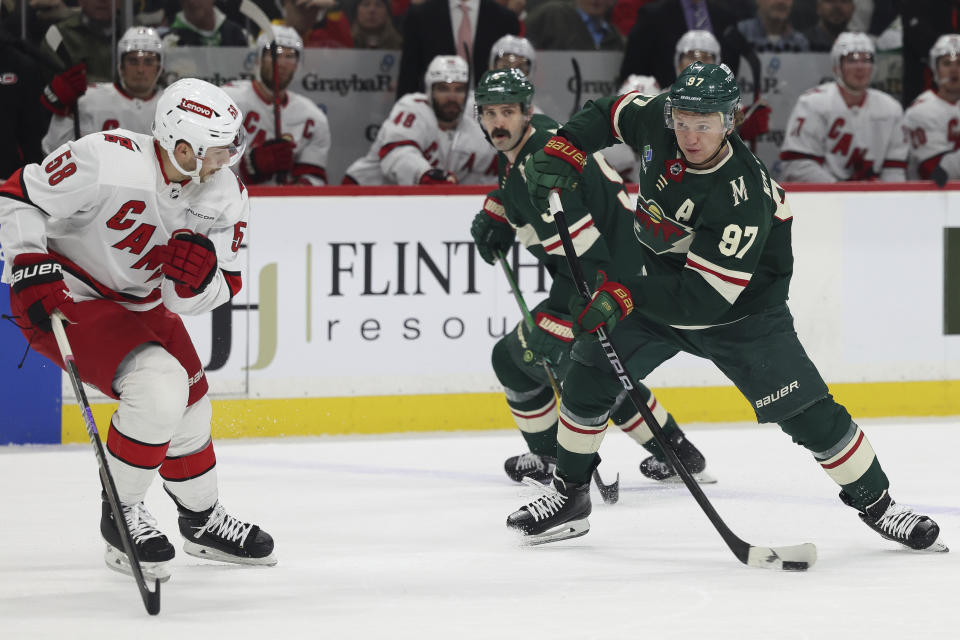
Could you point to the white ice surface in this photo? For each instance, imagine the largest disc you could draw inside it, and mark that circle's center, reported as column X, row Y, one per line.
column 404, row 537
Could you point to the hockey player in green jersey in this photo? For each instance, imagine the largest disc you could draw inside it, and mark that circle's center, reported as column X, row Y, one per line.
column 504, row 107
column 702, row 266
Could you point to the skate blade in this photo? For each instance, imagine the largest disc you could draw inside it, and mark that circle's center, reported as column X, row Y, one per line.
column 209, row 553
column 117, row 560
column 702, row 478
column 565, row 531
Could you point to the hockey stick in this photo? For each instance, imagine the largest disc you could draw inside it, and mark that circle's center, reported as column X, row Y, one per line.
column 54, row 39
column 151, row 599
column 609, row 492
column 792, row 558
column 578, row 86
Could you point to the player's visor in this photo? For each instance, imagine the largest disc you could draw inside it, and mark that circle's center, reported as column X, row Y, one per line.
column 228, row 155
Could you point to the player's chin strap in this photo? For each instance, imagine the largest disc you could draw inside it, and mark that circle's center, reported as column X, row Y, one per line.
column 699, row 165
column 176, row 165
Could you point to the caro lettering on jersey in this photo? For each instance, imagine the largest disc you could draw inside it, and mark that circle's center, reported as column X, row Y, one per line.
column 103, row 107
column 933, row 127
column 105, row 208
column 861, row 142
column 301, row 121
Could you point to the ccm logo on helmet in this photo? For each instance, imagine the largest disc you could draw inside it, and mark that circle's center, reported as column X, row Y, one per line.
column 196, row 107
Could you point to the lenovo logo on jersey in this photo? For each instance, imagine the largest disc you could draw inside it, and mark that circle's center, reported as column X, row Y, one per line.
column 34, row 270
column 773, row 397
column 196, row 107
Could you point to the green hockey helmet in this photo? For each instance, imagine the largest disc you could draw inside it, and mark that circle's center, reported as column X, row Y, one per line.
column 504, row 86
column 704, row 88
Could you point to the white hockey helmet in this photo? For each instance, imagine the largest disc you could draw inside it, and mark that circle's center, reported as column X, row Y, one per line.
column 139, row 39
column 647, row 85
column 850, row 42
column 946, row 45
column 696, row 40
column 203, row 116
column 286, row 37
column 445, row 69
column 510, row 45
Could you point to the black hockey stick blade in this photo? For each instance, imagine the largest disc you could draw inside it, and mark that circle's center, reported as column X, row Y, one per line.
column 151, row 599
column 793, row 558
column 609, row 492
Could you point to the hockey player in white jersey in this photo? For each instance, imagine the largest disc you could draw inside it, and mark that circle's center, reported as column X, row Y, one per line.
column 932, row 122
column 844, row 130
column 513, row 52
column 128, row 103
column 123, row 232
column 426, row 139
column 297, row 154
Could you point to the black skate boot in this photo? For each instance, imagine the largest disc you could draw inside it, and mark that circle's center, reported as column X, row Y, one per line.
column 900, row 523
column 558, row 513
column 658, row 468
column 531, row 465
column 216, row 535
column 152, row 548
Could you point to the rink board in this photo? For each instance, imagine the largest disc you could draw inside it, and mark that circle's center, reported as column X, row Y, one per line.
column 370, row 313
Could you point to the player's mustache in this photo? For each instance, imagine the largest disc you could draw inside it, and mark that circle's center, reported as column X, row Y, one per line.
column 500, row 132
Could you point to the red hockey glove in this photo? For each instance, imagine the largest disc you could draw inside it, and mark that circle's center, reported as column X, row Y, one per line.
column 65, row 89
column 611, row 302
column 756, row 121
column 438, row 176
column 192, row 260
column 38, row 286
column 273, row 156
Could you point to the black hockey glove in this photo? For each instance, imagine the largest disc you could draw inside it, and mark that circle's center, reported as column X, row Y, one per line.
column 492, row 236
column 438, row 176
column 939, row 176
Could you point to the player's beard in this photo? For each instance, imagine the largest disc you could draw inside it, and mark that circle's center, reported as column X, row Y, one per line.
column 449, row 111
column 267, row 75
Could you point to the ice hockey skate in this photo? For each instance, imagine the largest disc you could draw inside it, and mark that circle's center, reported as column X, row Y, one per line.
column 153, row 549
column 214, row 534
column 531, row 465
column 899, row 523
column 558, row 513
column 693, row 461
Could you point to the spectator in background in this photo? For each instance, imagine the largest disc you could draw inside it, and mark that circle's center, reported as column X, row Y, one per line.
column 519, row 7
column 22, row 124
column 923, row 22
column 833, row 16
column 296, row 154
column 770, row 28
column 844, row 130
column 128, row 104
column 373, row 26
column 450, row 27
column 932, row 120
column 659, row 27
column 88, row 40
column 320, row 23
column 428, row 138
column 200, row 24
column 40, row 15
column 578, row 26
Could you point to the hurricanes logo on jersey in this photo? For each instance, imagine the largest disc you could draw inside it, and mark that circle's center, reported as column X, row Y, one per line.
column 656, row 231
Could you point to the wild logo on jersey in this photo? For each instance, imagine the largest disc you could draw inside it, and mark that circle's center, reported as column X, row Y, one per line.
column 655, row 230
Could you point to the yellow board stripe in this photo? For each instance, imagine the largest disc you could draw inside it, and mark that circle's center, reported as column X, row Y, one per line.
column 243, row 418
